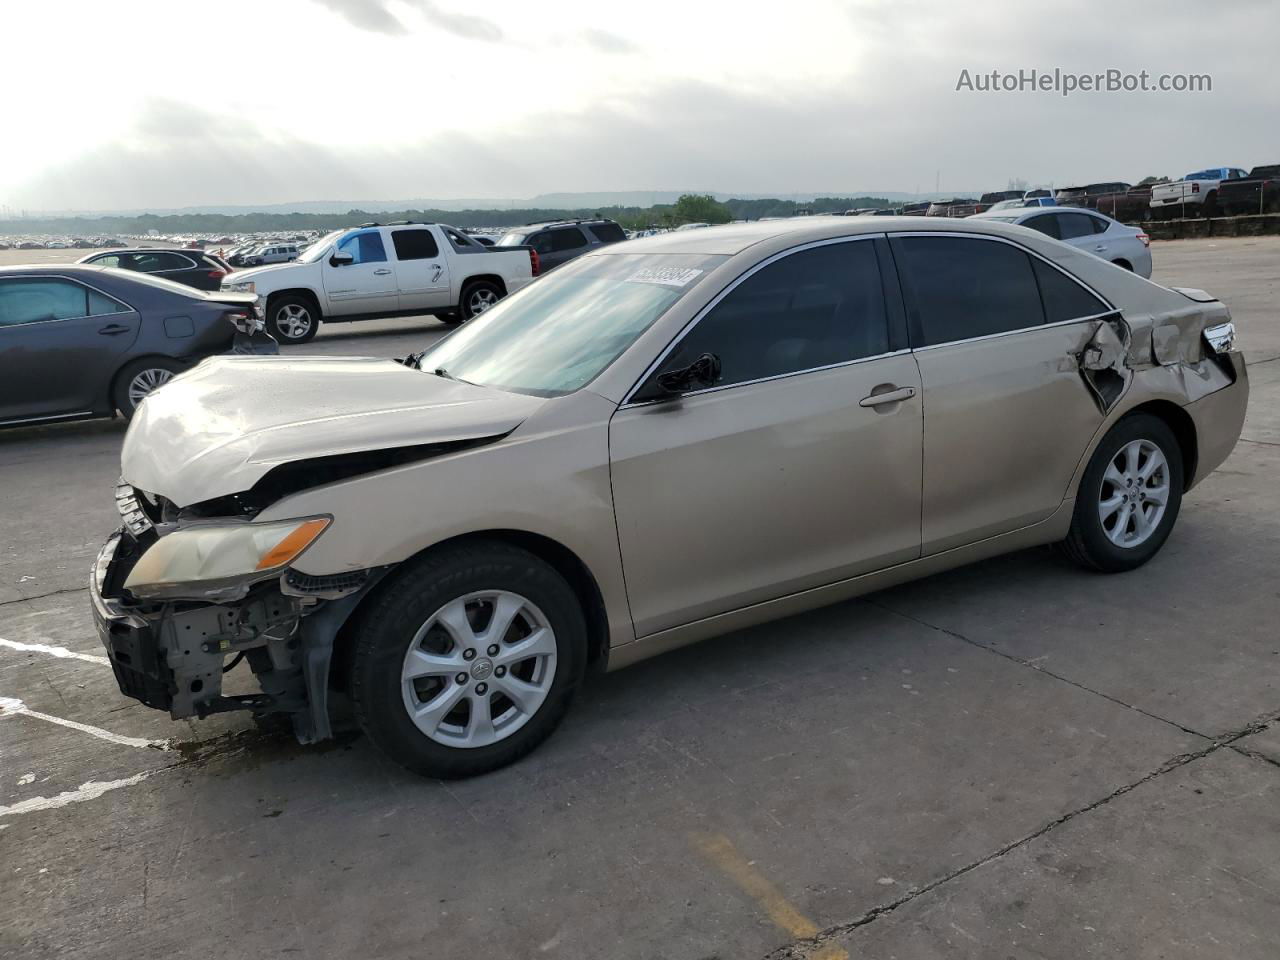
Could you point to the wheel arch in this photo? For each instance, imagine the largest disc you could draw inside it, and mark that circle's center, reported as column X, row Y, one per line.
column 1123, row 263
column 1184, row 430
column 305, row 292
column 555, row 554
column 490, row 277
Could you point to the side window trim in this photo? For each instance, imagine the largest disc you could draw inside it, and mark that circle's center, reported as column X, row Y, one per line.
column 729, row 288
column 76, row 281
column 916, row 334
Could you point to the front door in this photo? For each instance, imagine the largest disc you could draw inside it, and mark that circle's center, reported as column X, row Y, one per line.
column 1007, row 416
column 800, row 467
column 368, row 283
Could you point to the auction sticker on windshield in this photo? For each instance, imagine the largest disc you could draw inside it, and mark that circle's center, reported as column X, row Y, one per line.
column 667, row 276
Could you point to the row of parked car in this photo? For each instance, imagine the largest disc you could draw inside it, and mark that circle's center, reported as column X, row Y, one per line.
column 1213, row 192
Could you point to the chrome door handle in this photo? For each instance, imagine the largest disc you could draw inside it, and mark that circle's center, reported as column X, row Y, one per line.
column 381, row 273
column 893, row 396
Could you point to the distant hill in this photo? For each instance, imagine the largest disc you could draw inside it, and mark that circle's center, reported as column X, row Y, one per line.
column 544, row 201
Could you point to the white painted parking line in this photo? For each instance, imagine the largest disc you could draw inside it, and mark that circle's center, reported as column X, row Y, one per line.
column 86, row 791
column 12, row 707
column 60, row 652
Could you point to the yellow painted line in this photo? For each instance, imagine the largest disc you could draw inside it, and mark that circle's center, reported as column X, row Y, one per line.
column 720, row 850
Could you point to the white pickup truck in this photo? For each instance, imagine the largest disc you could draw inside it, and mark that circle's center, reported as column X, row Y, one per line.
column 1194, row 195
column 385, row 270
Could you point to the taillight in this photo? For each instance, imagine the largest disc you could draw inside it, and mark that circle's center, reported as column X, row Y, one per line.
column 1195, row 188
column 217, row 274
column 1146, row 240
column 535, row 265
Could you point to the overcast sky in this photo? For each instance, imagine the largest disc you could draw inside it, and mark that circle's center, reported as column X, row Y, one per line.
column 161, row 104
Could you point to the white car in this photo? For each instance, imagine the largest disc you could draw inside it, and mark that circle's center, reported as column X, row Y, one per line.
column 392, row 270
column 1089, row 230
column 1196, row 193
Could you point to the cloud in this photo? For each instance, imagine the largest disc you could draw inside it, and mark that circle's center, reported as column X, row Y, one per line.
column 376, row 16
column 460, row 24
column 603, row 41
column 371, row 15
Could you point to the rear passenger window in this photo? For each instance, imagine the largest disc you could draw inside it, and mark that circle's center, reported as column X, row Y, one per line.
column 569, row 238
column 608, row 232
column 958, row 288
column 414, row 244
column 812, row 309
column 1064, row 299
column 1073, row 225
column 158, row 262
column 541, row 242
column 1046, row 223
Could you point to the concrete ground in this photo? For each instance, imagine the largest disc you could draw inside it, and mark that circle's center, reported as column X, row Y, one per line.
column 1015, row 760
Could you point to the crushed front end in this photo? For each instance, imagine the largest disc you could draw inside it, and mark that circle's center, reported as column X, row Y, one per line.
column 180, row 597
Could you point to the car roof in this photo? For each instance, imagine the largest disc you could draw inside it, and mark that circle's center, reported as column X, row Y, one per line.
column 735, row 237
column 89, row 269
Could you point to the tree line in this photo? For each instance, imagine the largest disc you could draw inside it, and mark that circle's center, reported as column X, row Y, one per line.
column 690, row 208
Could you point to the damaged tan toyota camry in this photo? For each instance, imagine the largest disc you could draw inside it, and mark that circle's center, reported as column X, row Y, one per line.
column 664, row 440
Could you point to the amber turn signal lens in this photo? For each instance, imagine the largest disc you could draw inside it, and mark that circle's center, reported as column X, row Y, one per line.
column 297, row 540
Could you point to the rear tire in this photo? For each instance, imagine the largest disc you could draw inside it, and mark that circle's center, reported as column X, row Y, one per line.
column 1129, row 497
column 137, row 379
column 292, row 319
column 430, row 684
column 477, row 297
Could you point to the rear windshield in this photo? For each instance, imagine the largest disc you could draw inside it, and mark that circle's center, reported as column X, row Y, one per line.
column 1204, row 175
column 556, row 335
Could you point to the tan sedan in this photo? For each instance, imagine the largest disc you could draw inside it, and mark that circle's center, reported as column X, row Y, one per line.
column 664, row 440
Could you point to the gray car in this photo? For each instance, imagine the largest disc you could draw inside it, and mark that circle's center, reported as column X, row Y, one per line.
column 82, row 341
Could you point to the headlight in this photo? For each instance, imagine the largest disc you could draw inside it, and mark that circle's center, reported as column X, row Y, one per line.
column 209, row 559
column 239, row 286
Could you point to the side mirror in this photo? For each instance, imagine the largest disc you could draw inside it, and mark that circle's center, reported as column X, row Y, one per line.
column 703, row 372
column 341, row 258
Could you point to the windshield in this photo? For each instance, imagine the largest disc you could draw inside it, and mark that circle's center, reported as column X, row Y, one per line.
column 560, row 332
column 512, row 239
column 319, row 248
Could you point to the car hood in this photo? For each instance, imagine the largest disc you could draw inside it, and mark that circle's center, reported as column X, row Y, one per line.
column 217, row 429
column 264, row 273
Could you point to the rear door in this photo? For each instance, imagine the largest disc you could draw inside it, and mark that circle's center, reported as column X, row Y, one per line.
column 563, row 244
column 368, row 283
column 800, row 467
column 1084, row 231
column 422, row 269
column 1007, row 416
column 60, row 344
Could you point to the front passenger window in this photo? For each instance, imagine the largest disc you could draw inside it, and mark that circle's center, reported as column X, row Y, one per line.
column 811, row 309
column 364, row 247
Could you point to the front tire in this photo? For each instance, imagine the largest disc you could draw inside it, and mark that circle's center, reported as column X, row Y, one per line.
column 467, row 659
column 292, row 319
column 1129, row 497
column 137, row 379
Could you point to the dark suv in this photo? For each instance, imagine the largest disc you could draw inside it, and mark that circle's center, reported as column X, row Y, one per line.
column 559, row 241
column 195, row 268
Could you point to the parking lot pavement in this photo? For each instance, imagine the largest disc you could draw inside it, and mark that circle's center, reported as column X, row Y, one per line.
column 1012, row 760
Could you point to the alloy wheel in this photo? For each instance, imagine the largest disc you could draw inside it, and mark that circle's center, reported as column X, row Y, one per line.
column 144, row 381
column 479, row 669
column 1134, row 493
column 482, row 300
column 294, row 321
